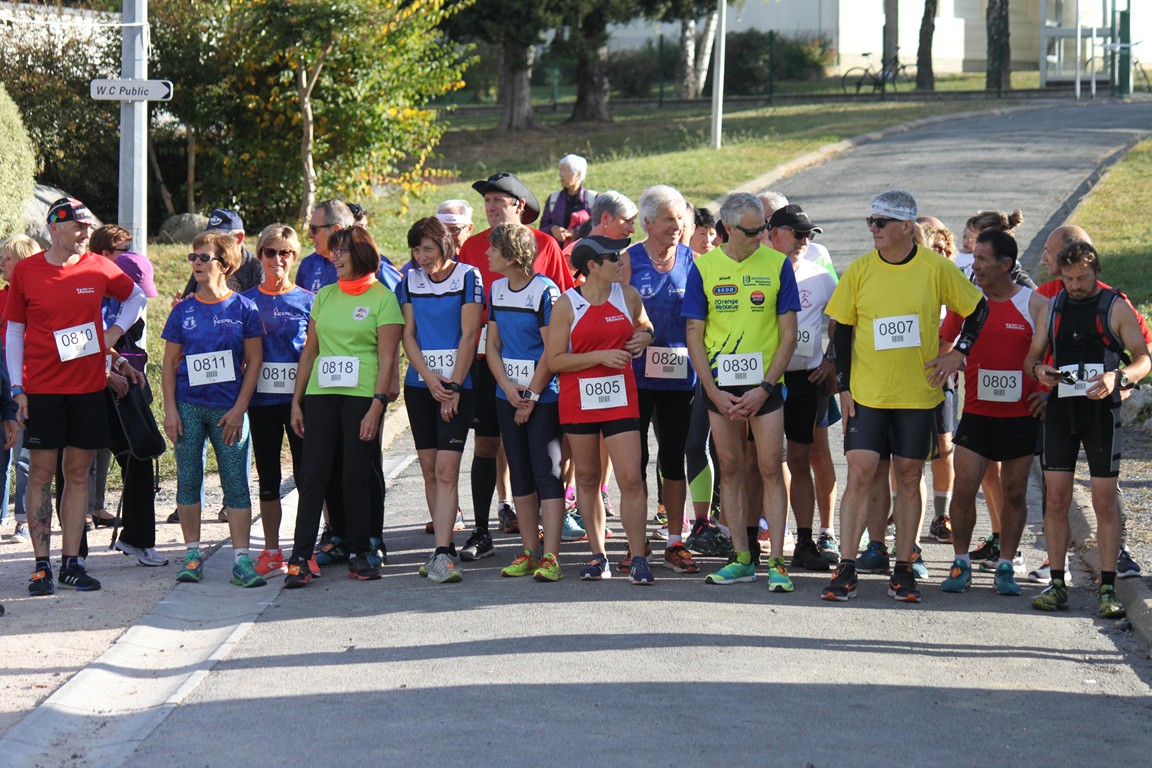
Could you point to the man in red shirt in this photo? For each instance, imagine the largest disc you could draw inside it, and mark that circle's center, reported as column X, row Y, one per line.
column 56, row 349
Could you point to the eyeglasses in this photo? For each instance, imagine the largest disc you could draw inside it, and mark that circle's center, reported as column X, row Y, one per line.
column 277, row 253
column 338, row 252
column 878, row 221
column 121, row 249
column 801, row 234
column 751, row 232
column 204, row 258
column 314, row 228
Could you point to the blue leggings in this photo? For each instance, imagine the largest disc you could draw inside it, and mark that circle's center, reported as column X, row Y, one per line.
column 199, row 424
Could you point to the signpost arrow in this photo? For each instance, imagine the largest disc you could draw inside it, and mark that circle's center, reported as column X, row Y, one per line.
column 131, row 90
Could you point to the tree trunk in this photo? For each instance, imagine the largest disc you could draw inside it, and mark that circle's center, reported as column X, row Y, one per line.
column 307, row 139
column 165, row 195
column 704, row 50
column 999, row 68
column 687, row 86
column 190, row 176
column 592, row 86
column 925, row 77
column 516, row 89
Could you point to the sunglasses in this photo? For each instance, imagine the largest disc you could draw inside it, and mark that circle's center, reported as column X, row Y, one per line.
column 801, row 234
column 121, row 249
column 878, row 221
column 204, row 258
column 314, row 228
column 277, row 253
column 612, row 257
column 751, row 232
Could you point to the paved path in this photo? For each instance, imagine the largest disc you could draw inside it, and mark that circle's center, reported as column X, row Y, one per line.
column 496, row 671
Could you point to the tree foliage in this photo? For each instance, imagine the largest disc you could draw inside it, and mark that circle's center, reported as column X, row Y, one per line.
column 19, row 164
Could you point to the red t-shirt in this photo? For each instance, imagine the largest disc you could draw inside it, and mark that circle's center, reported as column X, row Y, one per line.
column 549, row 261
column 599, row 393
column 52, row 300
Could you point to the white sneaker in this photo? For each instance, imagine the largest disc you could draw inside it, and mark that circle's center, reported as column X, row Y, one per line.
column 21, row 533
column 1043, row 574
column 1019, row 567
column 147, row 556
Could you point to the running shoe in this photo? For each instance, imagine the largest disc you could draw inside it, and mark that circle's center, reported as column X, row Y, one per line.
column 75, row 577
column 314, row 567
column 326, row 536
column 270, row 562
column 193, row 570
column 763, row 535
column 1041, row 574
column 424, row 568
column 1126, row 566
column 723, row 546
column 918, row 566
column 479, row 545
column 222, row 515
column 959, row 577
column 625, row 565
column 1107, row 605
column 361, row 568
column 989, row 550
column 874, row 559
column 661, row 517
column 569, row 499
column 459, row 524
column 299, row 574
column 609, row 510
column 21, row 533
column 40, row 585
column 702, row 538
column 829, row 548
column 144, row 555
column 1055, row 598
column 842, row 587
column 573, row 530
column 173, row 518
column 941, row 529
column 442, row 570
column 778, row 578
column 902, row 586
column 640, row 573
column 508, row 521
column 332, row 552
column 733, row 573
column 678, row 559
column 377, row 552
column 244, row 573
column 525, row 565
column 430, row 527
column 661, row 534
column 1005, row 580
column 807, row 557
column 597, row 568
column 1019, row 567
column 549, row 569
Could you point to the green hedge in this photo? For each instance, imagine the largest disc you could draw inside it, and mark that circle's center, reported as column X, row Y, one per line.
column 19, row 164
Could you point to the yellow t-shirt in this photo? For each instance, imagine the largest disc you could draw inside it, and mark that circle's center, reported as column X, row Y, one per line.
column 887, row 304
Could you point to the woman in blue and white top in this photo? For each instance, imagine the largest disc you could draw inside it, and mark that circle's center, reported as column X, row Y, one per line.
column 526, row 396
column 284, row 311
column 212, row 361
column 443, row 302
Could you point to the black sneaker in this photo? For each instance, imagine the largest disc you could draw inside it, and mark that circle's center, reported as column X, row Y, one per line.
column 174, row 517
column 902, row 587
column 842, row 588
column 808, row 557
column 75, row 577
column 299, row 574
column 989, row 550
column 40, row 585
column 479, row 545
column 360, row 568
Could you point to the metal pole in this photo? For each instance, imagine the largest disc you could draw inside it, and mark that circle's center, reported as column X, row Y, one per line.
column 1079, row 60
column 718, row 76
column 133, row 202
column 660, row 65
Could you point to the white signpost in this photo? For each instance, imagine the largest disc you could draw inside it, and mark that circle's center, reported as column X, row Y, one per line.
column 131, row 90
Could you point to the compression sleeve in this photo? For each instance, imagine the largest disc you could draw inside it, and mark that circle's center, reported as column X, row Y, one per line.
column 842, row 355
column 972, row 325
column 14, row 352
column 131, row 309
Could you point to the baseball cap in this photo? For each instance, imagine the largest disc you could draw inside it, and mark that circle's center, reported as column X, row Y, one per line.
column 224, row 220
column 69, row 209
column 509, row 184
column 594, row 247
column 792, row 216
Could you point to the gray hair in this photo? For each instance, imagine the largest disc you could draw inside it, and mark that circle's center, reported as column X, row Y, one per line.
column 736, row 205
column 336, row 213
column 575, row 164
column 772, row 201
column 460, row 207
column 653, row 199
column 614, row 204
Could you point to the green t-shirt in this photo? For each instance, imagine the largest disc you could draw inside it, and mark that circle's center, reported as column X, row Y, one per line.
column 346, row 328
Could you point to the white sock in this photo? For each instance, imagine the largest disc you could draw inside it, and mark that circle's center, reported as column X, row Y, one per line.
column 964, row 558
column 193, row 545
column 674, row 539
column 724, row 529
column 238, row 553
column 825, row 531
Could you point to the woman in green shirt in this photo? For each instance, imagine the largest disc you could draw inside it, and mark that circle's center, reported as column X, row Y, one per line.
column 344, row 382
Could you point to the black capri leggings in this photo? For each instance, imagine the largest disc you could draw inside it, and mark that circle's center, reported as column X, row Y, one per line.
column 533, row 450
column 671, row 409
column 268, row 424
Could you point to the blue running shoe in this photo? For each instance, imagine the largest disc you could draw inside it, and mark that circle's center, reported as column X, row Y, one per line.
column 918, row 566
column 1005, row 580
column 573, row 529
column 377, row 552
column 874, row 559
column 193, row 570
column 597, row 568
column 959, row 577
column 640, row 573
column 332, row 552
column 244, row 573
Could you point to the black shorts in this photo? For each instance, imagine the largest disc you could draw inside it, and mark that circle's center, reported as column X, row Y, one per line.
column 998, row 438
column 774, row 401
column 484, row 419
column 533, row 450
column 832, row 414
column 605, row 428
column 671, row 409
column 909, row 433
column 67, row 421
column 429, row 431
column 1073, row 421
column 946, row 413
column 804, row 408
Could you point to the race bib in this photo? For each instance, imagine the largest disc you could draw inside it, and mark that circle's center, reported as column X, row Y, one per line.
column 338, row 371
column 277, row 378
column 896, row 332
column 740, row 370
column 603, row 392
column 480, row 345
column 440, row 361
column 1080, row 387
column 1000, row 386
column 806, row 341
column 210, row 368
column 520, row 371
column 666, row 363
column 77, row 341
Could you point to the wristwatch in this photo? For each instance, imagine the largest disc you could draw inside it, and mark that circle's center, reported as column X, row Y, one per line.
column 381, row 397
column 1122, row 380
column 17, row 391
column 768, row 386
column 528, row 394
column 963, row 346
column 453, row 387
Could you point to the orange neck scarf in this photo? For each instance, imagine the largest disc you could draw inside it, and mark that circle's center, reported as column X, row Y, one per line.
column 357, row 286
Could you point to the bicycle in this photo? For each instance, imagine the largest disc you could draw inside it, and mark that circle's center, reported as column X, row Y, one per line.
column 892, row 77
column 1140, row 77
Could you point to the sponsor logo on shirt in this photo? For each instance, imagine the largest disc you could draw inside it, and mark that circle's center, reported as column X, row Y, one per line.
column 225, row 321
column 726, row 289
column 1014, row 327
column 360, row 313
column 83, row 291
column 189, row 321
column 278, row 313
column 805, row 298
column 757, row 280
column 757, row 298
column 615, row 319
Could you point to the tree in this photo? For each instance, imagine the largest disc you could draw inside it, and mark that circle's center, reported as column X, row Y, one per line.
column 925, row 77
column 999, row 68
column 19, row 164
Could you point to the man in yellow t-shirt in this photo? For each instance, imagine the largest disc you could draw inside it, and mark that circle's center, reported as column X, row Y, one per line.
column 889, row 372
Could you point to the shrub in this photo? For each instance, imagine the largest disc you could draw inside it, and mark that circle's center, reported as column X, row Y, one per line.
column 19, row 164
column 748, row 61
column 635, row 74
